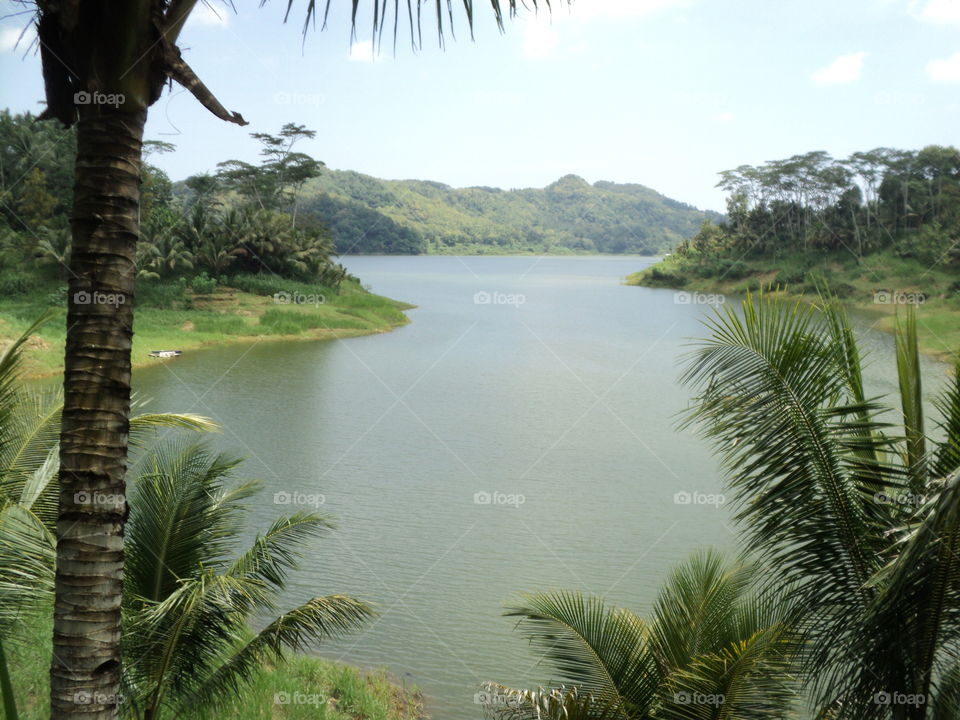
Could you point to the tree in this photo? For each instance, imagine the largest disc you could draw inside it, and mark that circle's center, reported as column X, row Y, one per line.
column 29, row 463
column 714, row 648
column 188, row 597
column 860, row 517
column 275, row 184
column 103, row 66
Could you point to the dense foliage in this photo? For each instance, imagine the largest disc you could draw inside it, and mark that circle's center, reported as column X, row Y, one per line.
column 369, row 215
column 242, row 220
column 884, row 199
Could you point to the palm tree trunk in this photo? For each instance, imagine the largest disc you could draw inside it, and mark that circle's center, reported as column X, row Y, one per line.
column 85, row 671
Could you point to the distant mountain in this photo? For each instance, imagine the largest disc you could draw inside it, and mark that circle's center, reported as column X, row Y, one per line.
column 369, row 215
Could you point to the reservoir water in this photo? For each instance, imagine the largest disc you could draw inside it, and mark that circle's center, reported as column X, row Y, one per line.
column 519, row 435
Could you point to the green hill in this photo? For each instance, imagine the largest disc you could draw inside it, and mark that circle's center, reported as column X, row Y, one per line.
column 369, row 215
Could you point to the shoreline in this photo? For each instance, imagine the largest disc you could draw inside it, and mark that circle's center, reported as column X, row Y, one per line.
column 321, row 335
column 934, row 311
column 193, row 323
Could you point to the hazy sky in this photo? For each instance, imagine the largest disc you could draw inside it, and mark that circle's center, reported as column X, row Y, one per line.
column 661, row 92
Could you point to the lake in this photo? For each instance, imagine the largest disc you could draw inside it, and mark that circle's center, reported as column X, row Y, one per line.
column 519, row 435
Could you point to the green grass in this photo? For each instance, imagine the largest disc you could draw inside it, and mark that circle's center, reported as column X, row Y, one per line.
column 303, row 688
column 169, row 316
column 861, row 284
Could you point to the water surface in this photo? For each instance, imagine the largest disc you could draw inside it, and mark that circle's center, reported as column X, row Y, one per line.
column 553, row 393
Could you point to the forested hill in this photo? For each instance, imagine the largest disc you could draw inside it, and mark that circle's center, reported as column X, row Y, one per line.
column 369, row 215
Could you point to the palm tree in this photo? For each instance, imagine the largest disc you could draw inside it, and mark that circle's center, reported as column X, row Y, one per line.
column 714, row 648
column 53, row 248
column 29, row 464
column 860, row 515
column 103, row 66
column 188, row 599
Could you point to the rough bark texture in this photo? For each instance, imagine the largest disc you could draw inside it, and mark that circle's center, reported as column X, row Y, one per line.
column 85, row 671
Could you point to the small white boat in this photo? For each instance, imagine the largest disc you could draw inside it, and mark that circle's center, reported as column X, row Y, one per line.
column 165, row 353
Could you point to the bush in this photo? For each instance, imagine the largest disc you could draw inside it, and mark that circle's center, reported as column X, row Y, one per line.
column 203, row 284
column 58, row 297
column 733, row 269
column 161, row 293
column 16, row 282
column 272, row 284
column 790, row 278
column 666, row 278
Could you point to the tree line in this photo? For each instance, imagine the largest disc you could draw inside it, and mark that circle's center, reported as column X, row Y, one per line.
column 241, row 219
column 907, row 201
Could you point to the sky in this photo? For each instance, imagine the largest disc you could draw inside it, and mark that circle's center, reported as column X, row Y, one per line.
column 666, row 93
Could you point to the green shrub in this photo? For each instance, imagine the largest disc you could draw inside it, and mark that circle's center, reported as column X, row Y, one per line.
column 161, row 293
column 733, row 269
column 57, row 297
column 16, row 282
column 203, row 284
column 665, row 278
column 790, row 277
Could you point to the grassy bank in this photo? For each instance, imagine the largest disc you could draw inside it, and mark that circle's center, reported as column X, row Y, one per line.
column 176, row 316
column 878, row 284
column 305, row 687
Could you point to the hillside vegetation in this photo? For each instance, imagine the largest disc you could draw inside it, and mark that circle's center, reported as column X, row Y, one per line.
column 881, row 229
column 367, row 215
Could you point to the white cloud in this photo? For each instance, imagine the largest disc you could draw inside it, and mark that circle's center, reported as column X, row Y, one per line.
column 10, row 37
column 539, row 39
column 941, row 12
column 726, row 117
column 210, row 15
column 946, row 70
column 845, row 69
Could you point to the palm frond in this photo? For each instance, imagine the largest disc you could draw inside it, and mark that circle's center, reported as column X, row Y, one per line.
column 911, row 399
column 276, row 552
column 769, row 398
column 413, row 12
column 946, row 458
column 141, row 426
column 544, row 704
column 181, row 517
column 602, row 650
column 27, row 559
column 316, row 620
column 920, row 599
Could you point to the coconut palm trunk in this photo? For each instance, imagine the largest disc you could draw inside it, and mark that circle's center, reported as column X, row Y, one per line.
column 104, row 64
column 85, row 670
